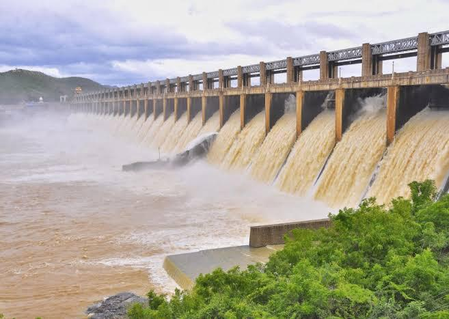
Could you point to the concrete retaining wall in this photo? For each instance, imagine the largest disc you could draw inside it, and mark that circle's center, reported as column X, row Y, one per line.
column 264, row 235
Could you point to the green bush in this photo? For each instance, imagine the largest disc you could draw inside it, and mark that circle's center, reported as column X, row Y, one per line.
column 373, row 262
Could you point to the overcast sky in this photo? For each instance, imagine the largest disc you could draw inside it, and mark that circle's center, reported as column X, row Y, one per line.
column 125, row 42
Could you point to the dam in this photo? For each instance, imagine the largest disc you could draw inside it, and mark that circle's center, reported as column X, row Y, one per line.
column 77, row 228
column 337, row 140
column 332, row 142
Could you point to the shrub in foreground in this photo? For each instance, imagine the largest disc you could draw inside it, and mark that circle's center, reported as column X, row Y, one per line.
column 373, row 262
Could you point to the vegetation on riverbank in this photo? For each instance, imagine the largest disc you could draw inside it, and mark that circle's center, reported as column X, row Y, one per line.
column 22, row 85
column 373, row 262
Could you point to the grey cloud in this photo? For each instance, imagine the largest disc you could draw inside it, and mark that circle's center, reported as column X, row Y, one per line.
column 104, row 73
column 47, row 37
column 86, row 40
column 359, row 14
column 53, row 39
column 65, row 41
column 301, row 36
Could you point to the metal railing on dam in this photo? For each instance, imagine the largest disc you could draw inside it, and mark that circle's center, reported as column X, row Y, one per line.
column 213, row 91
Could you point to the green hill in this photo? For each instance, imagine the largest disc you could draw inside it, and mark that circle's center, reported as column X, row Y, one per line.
column 22, row 85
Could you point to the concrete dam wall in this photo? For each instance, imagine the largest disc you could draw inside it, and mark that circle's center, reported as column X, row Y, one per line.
column 337, row 140
column 332, row 146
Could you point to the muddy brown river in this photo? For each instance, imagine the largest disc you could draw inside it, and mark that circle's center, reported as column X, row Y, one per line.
column 74, row 228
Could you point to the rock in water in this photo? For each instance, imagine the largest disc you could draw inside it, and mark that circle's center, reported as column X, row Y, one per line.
column 140, row 166
column 196, row 149
column 115, row 307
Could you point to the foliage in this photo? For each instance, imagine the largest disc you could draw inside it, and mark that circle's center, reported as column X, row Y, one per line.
column 22, row 85
column 373, row 262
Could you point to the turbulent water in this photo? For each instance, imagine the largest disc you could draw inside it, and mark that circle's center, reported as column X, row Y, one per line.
column 128, row 131
column 162, row 134
column 354, row 159
column 154, row 129
column 121, row 123
column 224, row 139
column 172, row 138
column 420, row 151
column 275, row 149
column 212, row 124
column 308, row 155
column 137, row 128
column 145, row 128
column 246, row 144
column 190, row 133
column 127, row 124
column 74, row 228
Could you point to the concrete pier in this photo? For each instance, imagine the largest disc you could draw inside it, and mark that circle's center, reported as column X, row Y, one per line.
column 275, row 108
column 229, row 105
column 212, row 105
column 339, row 105
column 250, row 106
column 268, row 123
column 347, row 104
column 392, row 104
column 158, row 107
column 308, row 106
column 168, row 108
column 403, row 102
column 180, row 107
column 195, row 106
column 148, row 109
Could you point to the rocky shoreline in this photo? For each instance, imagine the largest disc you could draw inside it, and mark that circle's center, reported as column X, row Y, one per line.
column 115, row 307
